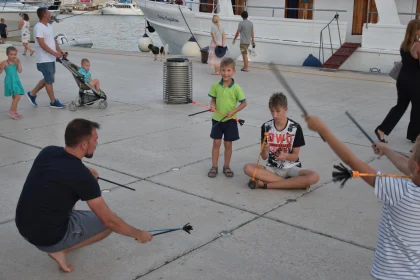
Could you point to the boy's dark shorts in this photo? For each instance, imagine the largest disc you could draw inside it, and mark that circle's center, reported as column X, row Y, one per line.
column 48, row 71
column 4, row 35
column 82, row 225
column 229, row 129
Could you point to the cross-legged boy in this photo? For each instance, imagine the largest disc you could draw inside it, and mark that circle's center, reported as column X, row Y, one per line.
column 397, row 253
column 282, row 146
column 225, row 95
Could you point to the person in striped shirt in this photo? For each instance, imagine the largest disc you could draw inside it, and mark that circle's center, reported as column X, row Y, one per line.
column 397, row 254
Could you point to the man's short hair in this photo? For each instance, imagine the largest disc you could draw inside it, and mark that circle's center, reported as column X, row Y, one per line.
column 228, row 62
column 84, row 60
column 78, row 130
column 41, row 12
column 244, row 14
column 277, row 100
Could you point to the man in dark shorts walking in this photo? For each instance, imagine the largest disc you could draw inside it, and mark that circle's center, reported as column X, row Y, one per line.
column 46, row 52
column 3, row 31
column 45, row 214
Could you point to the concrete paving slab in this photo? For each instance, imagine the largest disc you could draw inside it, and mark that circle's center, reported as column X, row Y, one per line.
column 152, row 154
column 235, row 192
column 264, row 249
column 14, row 176
column 45, row 116
column 113, row 127
column 351, row 214
column 120, row 257
column 13, row 152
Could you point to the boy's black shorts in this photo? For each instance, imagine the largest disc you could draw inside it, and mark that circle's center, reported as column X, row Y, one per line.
column 4, row 35
column 229, row 129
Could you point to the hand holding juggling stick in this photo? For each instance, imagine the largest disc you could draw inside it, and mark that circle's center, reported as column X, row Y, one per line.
column 252, row 183
column 343, row 174
column 283, row 81
column 241, row 122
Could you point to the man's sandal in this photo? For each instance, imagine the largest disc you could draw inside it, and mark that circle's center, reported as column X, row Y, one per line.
column 254, row 184
column 213, row 172
column 227, row 173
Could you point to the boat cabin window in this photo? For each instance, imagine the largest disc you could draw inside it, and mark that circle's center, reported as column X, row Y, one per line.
column 208, row 6
column 303, row 9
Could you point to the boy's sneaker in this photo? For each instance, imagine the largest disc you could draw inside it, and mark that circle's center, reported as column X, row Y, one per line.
column 56, row 104
column 32, row 99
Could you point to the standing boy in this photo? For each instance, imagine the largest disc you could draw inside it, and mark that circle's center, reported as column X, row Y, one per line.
column 246, row 29
column 225, row 95
column 397, row 254
column 285, row 137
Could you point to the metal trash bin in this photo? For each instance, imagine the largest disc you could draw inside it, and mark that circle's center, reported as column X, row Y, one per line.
column 177, row 81
column 205, row 54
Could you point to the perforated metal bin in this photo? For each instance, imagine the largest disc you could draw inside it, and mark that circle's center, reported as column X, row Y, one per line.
column 177, row 81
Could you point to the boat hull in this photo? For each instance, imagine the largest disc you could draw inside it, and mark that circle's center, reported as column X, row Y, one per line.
column 121, row 12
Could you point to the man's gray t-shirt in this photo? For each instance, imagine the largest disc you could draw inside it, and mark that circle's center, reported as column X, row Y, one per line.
column 218, row 33
column 245, row 27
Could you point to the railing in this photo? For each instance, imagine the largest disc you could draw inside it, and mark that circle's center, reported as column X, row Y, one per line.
column 256, row 7
column 321, row 38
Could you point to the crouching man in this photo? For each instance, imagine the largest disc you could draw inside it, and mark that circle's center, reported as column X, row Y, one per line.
column 45, row 214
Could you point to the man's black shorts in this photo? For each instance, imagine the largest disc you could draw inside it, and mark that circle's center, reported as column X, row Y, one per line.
column 229, row 129
column 3, row 35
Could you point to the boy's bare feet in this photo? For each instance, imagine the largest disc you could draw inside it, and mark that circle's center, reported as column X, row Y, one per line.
column 60, row 258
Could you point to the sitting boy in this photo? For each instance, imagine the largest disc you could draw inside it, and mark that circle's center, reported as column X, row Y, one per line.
column 397, row 251
column 84, row 70
column 285, row 137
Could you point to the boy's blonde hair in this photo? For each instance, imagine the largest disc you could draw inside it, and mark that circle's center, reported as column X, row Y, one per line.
column 84, row 60
column 228, row 62
column 277, row 100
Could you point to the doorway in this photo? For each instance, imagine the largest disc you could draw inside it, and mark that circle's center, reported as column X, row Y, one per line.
column 238, row 6
column 360, row 11
column 299, row 4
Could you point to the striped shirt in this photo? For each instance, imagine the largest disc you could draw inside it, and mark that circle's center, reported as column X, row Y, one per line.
column 397, row 254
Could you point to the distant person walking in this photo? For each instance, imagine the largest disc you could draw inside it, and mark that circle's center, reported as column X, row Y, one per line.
column 218, row 38
column 25, row 33
column 46, row 52
column 3, row 31
column 408, row 86
column 246, row 30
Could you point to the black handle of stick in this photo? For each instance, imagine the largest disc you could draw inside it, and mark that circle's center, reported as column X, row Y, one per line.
column 116, row 183
column 361, row 129
column 220, row 121
column 283, row 81
column 198, row 113
column 165, row 232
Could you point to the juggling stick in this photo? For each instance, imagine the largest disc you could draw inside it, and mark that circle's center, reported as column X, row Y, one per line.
column 343, row 174
column 187, row 228
column 116, row 183
column 252, row 183
column 199, row 113
column 367, row 135
column 241, row 122
column 361, row 129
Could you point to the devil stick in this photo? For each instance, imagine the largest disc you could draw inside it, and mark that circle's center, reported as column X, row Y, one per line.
column 116, row 183
column 252, row 184
column 199, row 113
column 241, row 122
column 283, row 81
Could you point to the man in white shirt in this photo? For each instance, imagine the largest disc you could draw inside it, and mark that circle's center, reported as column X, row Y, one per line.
column 46, row 52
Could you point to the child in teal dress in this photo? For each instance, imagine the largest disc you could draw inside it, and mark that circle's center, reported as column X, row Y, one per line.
column 12, row 84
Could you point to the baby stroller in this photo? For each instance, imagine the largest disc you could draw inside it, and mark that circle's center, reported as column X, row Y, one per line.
column 87, row 94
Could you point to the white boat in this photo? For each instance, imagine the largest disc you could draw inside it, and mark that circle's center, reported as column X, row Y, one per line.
column 122, row 8
column 367, row 32
column 64, row 40
column 11, row 10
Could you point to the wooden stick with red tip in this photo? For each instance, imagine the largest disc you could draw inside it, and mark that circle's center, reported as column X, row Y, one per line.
column 240, row 121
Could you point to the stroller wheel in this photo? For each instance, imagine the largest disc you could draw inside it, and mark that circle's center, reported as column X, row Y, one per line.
column 102, row 104
column 73, row 106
